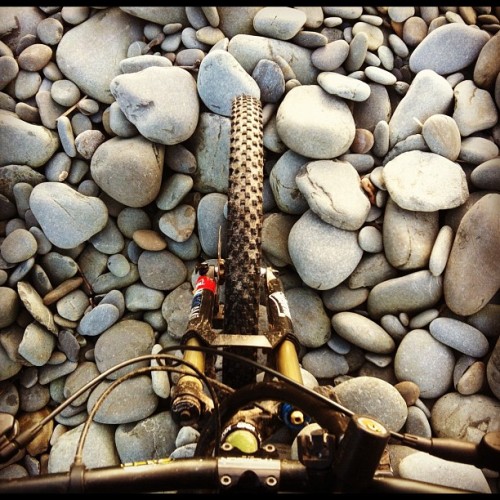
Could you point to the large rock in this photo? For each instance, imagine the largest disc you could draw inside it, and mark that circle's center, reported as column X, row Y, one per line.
column 472, row 275
column 162, row 102
column 322, row 254
column 129, row 170
column 314, row 123
column 66, row 216
column 25, row 143
column 106, row 37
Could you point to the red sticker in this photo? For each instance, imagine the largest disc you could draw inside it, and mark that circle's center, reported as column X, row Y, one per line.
column 204, row 282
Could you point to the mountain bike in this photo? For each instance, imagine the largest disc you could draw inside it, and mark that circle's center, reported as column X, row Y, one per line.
column 239, row 381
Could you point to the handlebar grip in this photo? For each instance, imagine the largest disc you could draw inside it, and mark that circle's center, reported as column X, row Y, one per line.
column 154, row 476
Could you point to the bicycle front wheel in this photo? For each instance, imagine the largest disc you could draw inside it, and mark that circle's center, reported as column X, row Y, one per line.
column 244, row 228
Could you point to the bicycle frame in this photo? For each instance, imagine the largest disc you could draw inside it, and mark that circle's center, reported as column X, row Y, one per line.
column 189, row 400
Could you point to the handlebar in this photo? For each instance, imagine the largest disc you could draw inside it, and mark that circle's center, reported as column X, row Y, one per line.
column 207, row 475
column 342, row 457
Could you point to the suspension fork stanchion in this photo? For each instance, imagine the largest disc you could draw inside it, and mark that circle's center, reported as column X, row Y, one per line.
column 287, row 360
column 188, row 398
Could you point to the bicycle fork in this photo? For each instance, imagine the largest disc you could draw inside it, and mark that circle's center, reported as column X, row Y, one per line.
column 189, row 400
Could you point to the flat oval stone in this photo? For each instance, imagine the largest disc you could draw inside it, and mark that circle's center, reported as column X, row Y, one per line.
column 111, row 348
column 375, row 397
column 461, row 40
column 460, row 336
column 409, row 293
column 426, row 182
column 99, row 319
column 363, row 332
column 18, row 246
column 472, row 276
column 131, row 401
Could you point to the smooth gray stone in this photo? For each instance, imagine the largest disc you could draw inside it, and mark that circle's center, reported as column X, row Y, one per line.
column 282, row 180
column 324, row 363
column 362, row 332
column 175, row 309
column 334, row 127
column 460, row 336
column 421, row 466
column 249, row 49
column 66, row 216
column 422, row 181
column 232, row 80
column 131, row 401
column 111, row 31
column 149, row 439
column 98, row 319
column 461, row 40
column 140, row 163
column 210, row 147
column 23, row 143
column 428, row 94
column 408, row 236
column 422, row 359
column 110, row 351
column 99, row 449
column 170, row 117
column 306, row 309
column 37, row 344
column 322, row 254
column 332, row 190
column 465, row 417
column 375, row 397
column 410, row 293
column 472, row 275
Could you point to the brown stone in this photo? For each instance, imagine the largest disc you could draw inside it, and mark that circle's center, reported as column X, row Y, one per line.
column 148, row 239
column 41, row 441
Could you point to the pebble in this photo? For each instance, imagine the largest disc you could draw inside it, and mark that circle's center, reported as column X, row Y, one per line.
column 460, row 336
column 407, row 180
column 398, row 95
column 175, row 119
column 331, row 189
column 433, row 52
column 336, row 252
column 468, row 289
column 421, row 466
column 362, row 332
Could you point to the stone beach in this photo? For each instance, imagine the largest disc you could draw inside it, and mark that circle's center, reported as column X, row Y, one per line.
column 381, row 201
